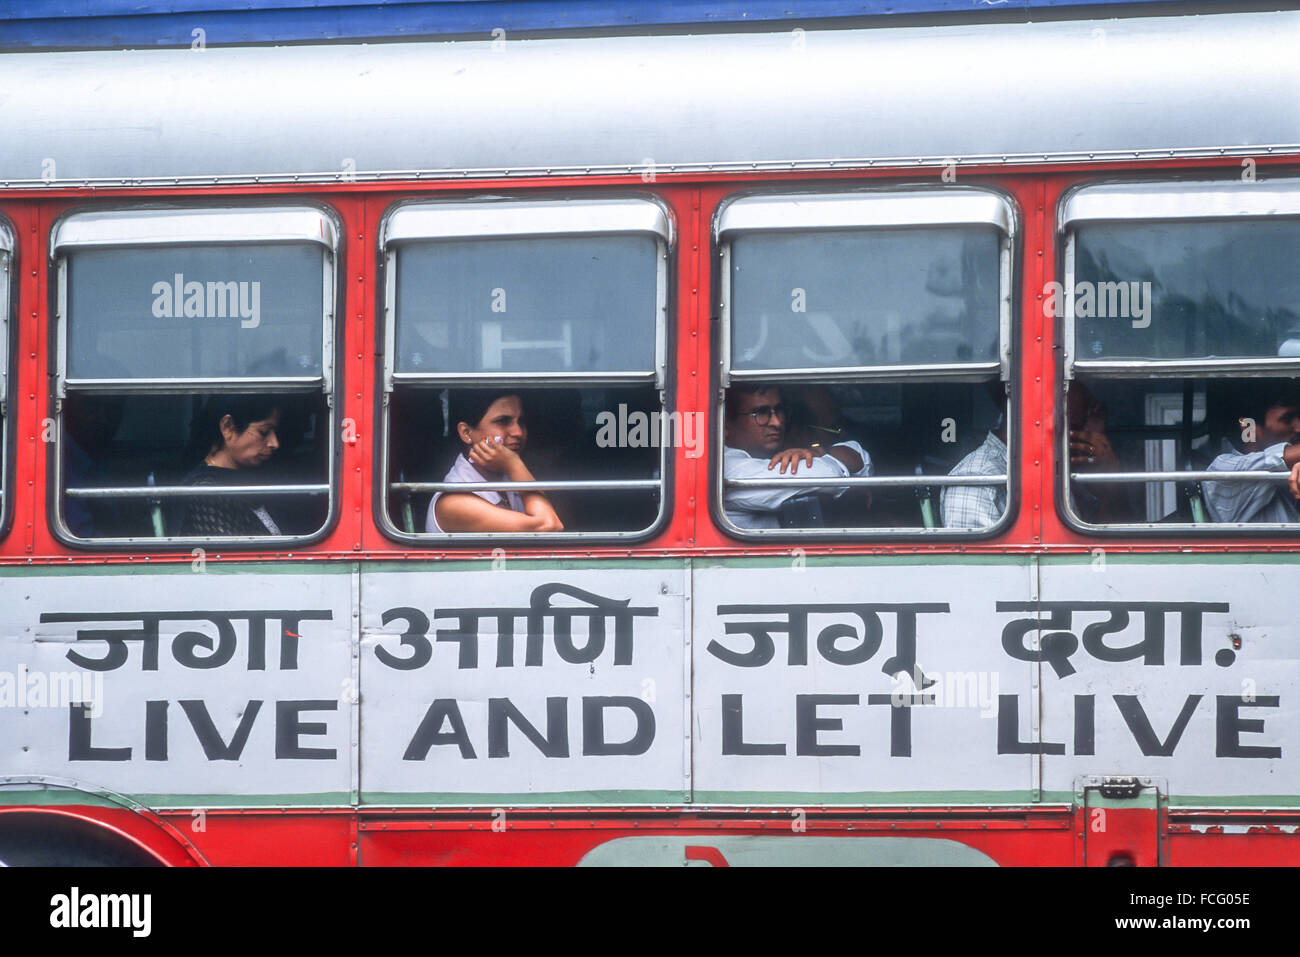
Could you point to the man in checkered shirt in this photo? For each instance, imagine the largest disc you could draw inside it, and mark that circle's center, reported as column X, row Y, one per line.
column 978, row 506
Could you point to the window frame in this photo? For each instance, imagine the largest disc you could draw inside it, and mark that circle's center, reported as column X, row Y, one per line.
column 902, row 206
column 1155, row 202
column 479, row 217
column 147, row 227
column 8, row 354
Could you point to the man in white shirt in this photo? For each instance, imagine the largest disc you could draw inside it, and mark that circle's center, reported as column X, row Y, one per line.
column 753, row 436
column 1275, row 448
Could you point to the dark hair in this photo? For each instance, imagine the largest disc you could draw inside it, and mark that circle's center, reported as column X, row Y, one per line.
column 744, row 388
column 1241, row 400
column 1286, row 397
column 470, row 405
column 205, row 427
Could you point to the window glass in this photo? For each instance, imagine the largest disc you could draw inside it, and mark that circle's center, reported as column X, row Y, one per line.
column 864, row 298
column 206, row 311
column 911, row 430
column 122, row 442
column 568, row 304
column 1178, row 437
column 546, row 339
column 1186, row 290
column 872, row 445
column 238, row 303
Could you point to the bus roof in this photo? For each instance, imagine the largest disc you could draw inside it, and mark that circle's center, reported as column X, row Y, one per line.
column 1224, row 84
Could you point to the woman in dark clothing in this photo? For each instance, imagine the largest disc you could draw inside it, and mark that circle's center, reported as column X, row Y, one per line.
column 239, row 433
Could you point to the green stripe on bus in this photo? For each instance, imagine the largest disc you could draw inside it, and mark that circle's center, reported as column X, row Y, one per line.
column 341, row 800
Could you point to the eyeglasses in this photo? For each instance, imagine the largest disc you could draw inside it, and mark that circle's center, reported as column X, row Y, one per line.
column 763, row 414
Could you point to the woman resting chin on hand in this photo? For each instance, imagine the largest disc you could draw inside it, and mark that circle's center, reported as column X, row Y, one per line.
column 492, row 434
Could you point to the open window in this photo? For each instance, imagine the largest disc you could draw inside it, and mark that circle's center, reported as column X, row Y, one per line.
column 879, row 323
column 561, row 307
column 194, row 375
column 1180, row 304
column 6, row 377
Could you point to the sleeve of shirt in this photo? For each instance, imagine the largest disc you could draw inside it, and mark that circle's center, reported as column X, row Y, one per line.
column 970, row 506
column 739, row 465
column 1242, row 501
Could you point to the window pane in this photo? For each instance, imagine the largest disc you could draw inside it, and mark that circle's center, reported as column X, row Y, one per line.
column 864, row 298
column 591, row 434
column 559, row 304
column 1187, row 290
column 905, row 429
column 114, row 441
column 1166, row 426
column 204, row 311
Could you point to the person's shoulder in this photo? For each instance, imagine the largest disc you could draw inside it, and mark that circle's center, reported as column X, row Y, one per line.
column 205, row 474
column 736, row 455
column 989, row 452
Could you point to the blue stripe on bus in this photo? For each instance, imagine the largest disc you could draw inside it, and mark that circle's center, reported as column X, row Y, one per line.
column 133, row 23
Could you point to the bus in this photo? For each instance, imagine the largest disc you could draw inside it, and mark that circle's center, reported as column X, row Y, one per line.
column 1013, row 304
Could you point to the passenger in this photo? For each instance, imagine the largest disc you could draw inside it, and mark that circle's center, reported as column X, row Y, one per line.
column 239, row 433
column 814, row 416
column 1091, row 451
column 1275, row 448
column 753, row 435
column 491, row 429
column 979, row 506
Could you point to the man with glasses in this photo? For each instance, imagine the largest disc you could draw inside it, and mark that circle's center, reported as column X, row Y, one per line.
column 754, row 436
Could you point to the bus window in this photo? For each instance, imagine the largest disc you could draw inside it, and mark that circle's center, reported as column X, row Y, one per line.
column 6, row 278
column 194, row 375
column 866, row 352
column 1181, row 323
column 525, row 382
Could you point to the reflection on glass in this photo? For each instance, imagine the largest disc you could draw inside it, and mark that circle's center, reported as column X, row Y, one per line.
column 1193, row 290
column 204, row 311
column 823, row 299
column 558, row 304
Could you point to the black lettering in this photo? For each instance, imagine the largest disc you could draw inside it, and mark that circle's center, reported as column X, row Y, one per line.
column 502, row 713
column 428, row 733
column 1009, row 730
column 807, row 724
column 900, row 720
column 417, row 627
column 289, row 728
column 1229, row 726
column 1085, row 724
column 214, row 748
column 872, row 633
column 593, row 726
column 155, row 730
column 79, row 746
column 1056, row 647
column 733, row 730
column 1130, row 706
column 186, row 645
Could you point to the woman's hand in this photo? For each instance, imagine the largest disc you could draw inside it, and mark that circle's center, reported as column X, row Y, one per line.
column 492, row 456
